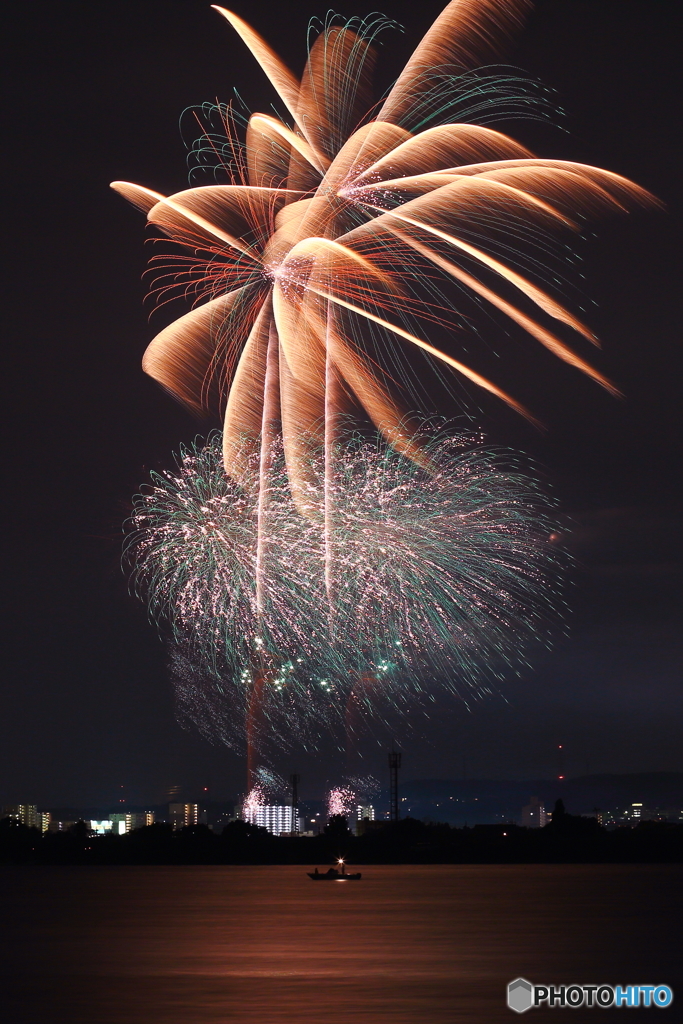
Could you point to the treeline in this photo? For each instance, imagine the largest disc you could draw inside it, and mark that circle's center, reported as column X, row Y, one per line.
column 567, row 839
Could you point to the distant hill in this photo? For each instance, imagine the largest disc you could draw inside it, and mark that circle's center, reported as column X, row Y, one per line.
column 474, row 801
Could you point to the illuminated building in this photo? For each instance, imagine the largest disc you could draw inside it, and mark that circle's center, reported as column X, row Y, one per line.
column 277, row 818
column 129, row 821
column 141, row 820
column 101, row 828
column 27, row 814
column 534, row 814
column 364, row 813
column 182, row 815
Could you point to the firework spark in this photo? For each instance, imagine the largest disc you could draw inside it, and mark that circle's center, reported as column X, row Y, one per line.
column 366, row 787
column 267, row 788
column 344, row 799
column 253, row 802
column 341, row 800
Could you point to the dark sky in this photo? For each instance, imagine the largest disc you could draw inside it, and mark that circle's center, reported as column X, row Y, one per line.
column 95, row 91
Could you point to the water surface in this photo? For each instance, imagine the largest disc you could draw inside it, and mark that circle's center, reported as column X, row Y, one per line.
column 434, row 945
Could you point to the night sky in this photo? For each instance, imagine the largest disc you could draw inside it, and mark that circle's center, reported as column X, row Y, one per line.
column 95, row 92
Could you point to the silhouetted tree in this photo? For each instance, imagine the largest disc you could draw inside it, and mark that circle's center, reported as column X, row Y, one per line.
column 196, row 831
column 337, row 828
column 239, row 830
column 559, row 811
column 7, row 824
column 571, row 826
column 80, row 831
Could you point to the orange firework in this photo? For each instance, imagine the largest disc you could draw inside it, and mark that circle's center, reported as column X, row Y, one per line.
column 322, row 231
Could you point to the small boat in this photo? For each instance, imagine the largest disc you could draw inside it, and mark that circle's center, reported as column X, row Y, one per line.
column 334, row 874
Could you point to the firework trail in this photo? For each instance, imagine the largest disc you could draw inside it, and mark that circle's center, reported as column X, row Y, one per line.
column 366, row 787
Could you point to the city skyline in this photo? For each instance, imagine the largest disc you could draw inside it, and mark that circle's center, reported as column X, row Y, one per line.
column 609, row 799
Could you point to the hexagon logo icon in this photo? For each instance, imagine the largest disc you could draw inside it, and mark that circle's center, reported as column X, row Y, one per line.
column 520, row 995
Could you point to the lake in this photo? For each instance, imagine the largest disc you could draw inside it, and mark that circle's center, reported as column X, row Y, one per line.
column 434, row 945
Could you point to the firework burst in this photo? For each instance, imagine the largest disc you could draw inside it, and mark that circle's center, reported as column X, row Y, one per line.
column 306, row 573
column 417, row 579
column 341, row 800
column 317, row 254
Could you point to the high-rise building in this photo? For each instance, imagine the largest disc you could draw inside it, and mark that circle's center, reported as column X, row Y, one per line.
column 27, row 814
column 139, row 820
column 277, row 818
column 364, row 813
column 126, row 822
column 534, row 814
column 181, row 815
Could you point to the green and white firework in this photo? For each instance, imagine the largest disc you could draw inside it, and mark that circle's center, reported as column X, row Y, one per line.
column 415, row 579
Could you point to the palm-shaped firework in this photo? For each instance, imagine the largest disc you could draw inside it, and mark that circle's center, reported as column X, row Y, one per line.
column 338, row 221
column 321, row 231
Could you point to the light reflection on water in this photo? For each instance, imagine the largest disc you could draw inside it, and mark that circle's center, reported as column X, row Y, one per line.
column 434, row 945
